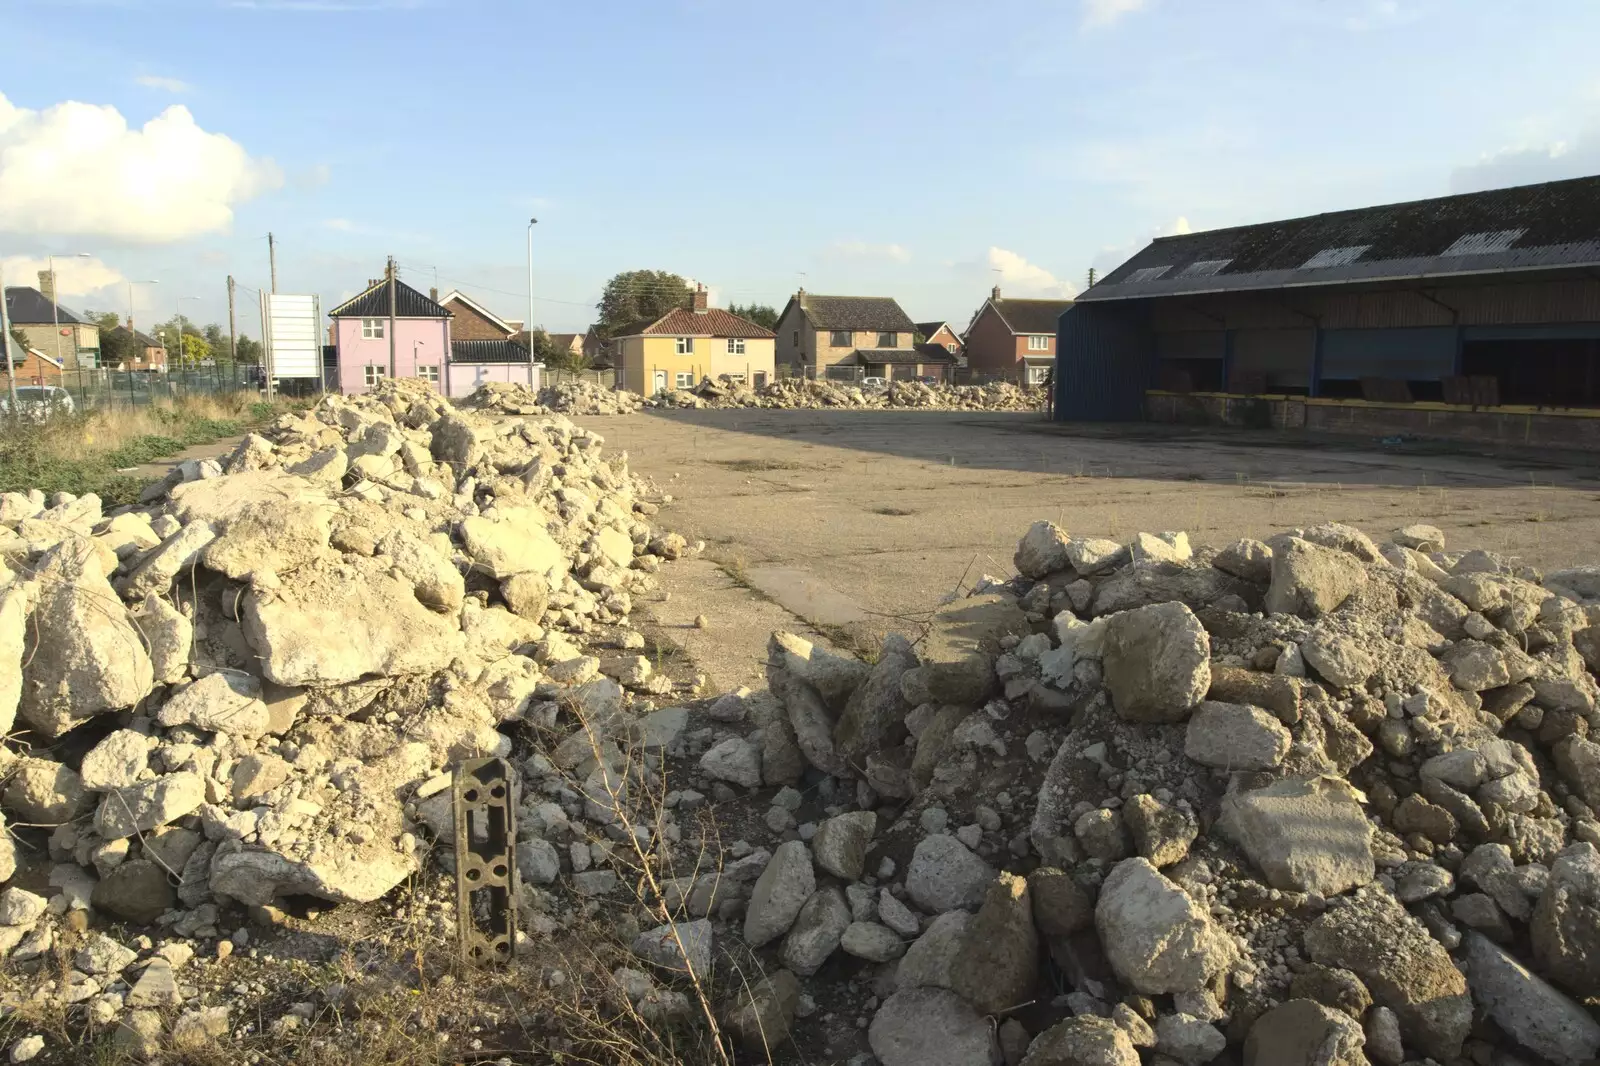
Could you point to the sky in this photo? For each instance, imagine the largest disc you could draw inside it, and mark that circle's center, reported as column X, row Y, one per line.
column 920, row 149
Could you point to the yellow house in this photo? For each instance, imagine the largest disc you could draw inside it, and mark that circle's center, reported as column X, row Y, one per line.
column 687, row 345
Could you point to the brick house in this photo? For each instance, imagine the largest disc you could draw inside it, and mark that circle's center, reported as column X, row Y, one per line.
column 847, row 338
column 31, row 366
column 1013, row 340
column 146, row 353
column 942, row 334
column 473, row 321
column 74, row 344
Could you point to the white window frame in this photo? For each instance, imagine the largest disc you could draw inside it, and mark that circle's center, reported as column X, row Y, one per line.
column 429, row 372
column 1038, row 342
column 685, row 345
column 373, row 373
column 684, row 379
column 734, row 379
column 1037, row 374
column 735, row 345
column 372, row 329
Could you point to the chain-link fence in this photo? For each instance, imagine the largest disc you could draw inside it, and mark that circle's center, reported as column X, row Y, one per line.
column 107, row 387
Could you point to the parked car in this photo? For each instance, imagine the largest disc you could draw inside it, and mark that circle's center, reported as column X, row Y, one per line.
column 38, row 402
column 873, row 383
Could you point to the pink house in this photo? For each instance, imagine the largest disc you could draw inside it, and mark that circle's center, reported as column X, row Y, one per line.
column 390, row 331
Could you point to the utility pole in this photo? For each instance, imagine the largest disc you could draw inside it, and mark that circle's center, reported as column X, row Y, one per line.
column 532, row 222
column 272, row 256
column 393, row 300
column 233, row 332
column 5, row 339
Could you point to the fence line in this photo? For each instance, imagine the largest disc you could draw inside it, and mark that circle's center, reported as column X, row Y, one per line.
column 108, row 387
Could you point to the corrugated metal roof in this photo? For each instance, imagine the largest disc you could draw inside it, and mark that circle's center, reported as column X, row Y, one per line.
column 1531, row 227
column 487, row 352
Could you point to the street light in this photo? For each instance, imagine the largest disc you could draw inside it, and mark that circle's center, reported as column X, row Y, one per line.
column 178, row 324
column 55, row 309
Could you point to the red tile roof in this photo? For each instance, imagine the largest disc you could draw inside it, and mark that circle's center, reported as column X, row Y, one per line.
column 686, row 323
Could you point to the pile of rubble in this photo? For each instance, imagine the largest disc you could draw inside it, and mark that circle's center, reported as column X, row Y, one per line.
column 798, row 393
column 567, row 397
column 1307, row 801
column 240, row 691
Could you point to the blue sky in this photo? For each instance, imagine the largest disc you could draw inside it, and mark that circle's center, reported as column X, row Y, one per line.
column 922, row 149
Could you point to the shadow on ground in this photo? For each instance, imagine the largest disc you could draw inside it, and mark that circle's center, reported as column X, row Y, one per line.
column 1026, row 442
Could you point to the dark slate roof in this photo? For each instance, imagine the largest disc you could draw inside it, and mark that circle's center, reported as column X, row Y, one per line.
column 922, row 353
column 1030, row 316
column 374, row 303
column 928, row 329
column 139, row 338
column 28, row 307
column 1531, row 227
column 879, row 313
column 682, row 322
column 487, row 352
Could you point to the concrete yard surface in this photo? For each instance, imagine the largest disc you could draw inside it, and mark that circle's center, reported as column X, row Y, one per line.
column 888, row 511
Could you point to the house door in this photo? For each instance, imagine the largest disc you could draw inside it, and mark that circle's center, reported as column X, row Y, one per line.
column 761, row 379
column 659, row 383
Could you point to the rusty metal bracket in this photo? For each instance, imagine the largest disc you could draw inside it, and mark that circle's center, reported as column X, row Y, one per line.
column 485, row 792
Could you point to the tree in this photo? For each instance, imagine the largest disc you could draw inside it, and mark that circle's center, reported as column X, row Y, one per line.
column 1092, row 276
column 636, row 295
column 762, row 315
column 555, row 356
column 249, row 350
column 217, row 339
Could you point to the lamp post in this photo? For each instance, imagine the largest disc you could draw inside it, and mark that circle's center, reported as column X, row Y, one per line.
column 178, row 322
column 532, row 222
column 55, row 310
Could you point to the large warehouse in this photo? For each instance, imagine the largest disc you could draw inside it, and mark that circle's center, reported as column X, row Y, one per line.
column 1474, row 316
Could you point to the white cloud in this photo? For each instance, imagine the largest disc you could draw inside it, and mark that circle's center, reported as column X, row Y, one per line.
column 862, row 250
column 1099, row 13
column 155, row 81
column 343, row 225
column 77, row 169
column 1528, row 164
column 74, row 277
column 1017, row 276
column 1112, row 256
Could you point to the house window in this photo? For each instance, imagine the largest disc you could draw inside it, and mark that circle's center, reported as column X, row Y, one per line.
column 735, row 345
column 372, row 329
column 429, row 372
column 734, row 379
column 372, row 373
column 1037, row 374
column 795, row 338
column 685, row 380
column 888, row 340
column 841, row 338
column 685, row 345
column 1038, row 342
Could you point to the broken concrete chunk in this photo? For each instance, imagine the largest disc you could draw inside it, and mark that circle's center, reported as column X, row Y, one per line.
column 1042, row 550
column 1157, row 662
column 227, row 701
column 1305, row 835
column 1309, row 579
column 1233, row 736
column 1155, row 936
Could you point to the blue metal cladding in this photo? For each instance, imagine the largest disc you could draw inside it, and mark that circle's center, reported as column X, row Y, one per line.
column 1105, row 358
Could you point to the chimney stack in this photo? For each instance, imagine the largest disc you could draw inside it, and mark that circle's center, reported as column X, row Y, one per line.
column 47, row 285
column 433, row 294
column 994, row 293
column 698, row 300
column 800, row 297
